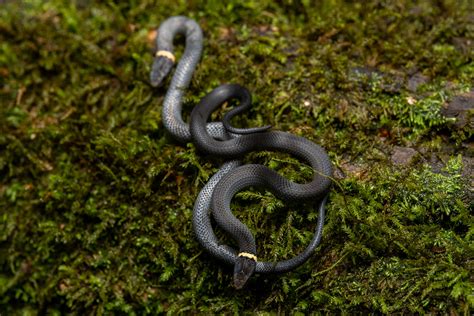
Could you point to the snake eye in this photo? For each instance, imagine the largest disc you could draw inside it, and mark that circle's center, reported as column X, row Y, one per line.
column 160, row 69
column 243, row 270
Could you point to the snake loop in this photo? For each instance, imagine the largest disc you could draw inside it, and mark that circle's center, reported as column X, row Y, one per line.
column 256, row 175
column 224, row 140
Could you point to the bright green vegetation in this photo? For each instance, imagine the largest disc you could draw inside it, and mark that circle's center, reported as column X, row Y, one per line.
column 96, row 199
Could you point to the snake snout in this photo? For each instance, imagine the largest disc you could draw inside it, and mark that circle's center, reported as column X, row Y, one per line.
column 160, row 69
column 243, row 269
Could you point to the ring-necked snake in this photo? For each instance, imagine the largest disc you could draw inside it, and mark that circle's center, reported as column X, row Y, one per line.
column 223, row 140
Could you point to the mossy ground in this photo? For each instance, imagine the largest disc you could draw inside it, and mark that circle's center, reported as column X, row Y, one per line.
column 96, row 198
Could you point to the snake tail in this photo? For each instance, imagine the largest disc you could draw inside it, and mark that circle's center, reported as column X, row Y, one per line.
column 245, row 105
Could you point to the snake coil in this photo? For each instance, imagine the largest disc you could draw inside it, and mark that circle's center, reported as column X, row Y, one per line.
column 224, row 140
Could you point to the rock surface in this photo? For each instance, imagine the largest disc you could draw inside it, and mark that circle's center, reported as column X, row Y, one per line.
column 403, row 155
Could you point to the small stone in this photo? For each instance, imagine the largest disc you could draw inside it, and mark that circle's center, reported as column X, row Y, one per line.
column 403, row 155
column 415, row 81
column 350, row 169
column 459, row 108
column 339, row 174
column 435, row 163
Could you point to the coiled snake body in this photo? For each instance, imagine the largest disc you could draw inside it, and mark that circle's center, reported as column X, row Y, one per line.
column 223, row 140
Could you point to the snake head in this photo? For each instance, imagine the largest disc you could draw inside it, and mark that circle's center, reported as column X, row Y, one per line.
column 243, row 269
column 160, row 69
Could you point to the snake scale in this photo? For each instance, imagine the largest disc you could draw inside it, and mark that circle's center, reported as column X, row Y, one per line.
column 223, row 140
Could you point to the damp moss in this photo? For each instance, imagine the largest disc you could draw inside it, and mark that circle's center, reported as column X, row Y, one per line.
column 96, row 198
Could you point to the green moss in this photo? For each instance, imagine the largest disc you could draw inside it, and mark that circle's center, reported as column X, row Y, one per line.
column 96, row 199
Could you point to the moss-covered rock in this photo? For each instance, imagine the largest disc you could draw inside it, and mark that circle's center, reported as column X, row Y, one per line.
column 96, row 199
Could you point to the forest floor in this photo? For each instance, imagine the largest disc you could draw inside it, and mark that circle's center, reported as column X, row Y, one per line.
column 96, row 198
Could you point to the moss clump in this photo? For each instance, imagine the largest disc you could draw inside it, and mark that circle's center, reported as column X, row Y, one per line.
column 96, row 199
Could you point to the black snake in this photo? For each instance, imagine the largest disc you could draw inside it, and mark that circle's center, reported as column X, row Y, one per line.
column 226, row 141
